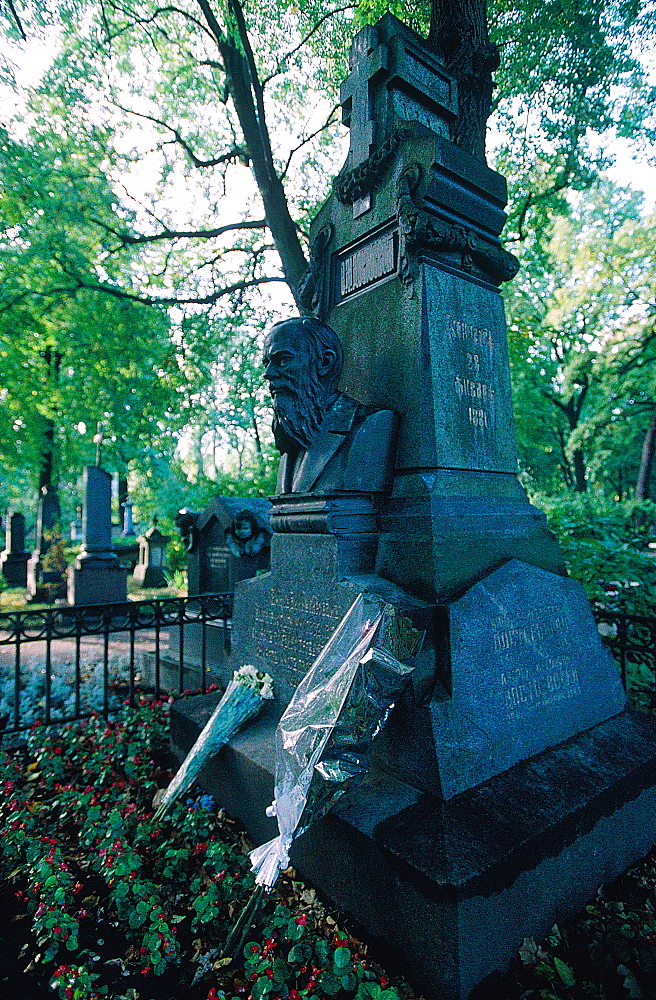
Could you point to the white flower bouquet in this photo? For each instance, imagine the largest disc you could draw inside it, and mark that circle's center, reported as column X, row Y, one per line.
column 242, row 700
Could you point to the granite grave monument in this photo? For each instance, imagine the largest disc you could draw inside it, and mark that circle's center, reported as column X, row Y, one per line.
column 510, row 780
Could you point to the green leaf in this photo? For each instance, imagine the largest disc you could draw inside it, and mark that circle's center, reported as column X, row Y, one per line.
column 342, row 959
column 564, row 971
column 329, row 983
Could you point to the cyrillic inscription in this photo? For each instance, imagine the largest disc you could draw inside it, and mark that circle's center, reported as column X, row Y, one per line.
column 477, row 345
column 473, row 390
column 556, row 680
column 457, row 329
column 542, row 681
column 216, row 557
column 291, row 631
column 368, row 264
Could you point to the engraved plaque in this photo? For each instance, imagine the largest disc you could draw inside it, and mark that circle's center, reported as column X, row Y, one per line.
column 527, row 670
column 368, row 264
column 283, row 620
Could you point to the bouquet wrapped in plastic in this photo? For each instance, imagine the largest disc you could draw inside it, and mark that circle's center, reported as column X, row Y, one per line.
column 242, row 700
column 325, row 734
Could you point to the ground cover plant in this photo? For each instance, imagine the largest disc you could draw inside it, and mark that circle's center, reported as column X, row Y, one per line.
column 32, row 692
column 102, row 901
column 605, row 546
column 107, row 902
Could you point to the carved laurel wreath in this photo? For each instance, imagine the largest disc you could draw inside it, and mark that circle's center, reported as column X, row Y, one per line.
column 356, row 183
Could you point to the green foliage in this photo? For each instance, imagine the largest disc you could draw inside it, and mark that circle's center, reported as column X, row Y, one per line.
column 604, row 546
column 580, row 325
column 134, row 238
column 112, row 897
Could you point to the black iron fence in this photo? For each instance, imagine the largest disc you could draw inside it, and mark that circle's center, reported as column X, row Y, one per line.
column 631, row 638
column 60, row 665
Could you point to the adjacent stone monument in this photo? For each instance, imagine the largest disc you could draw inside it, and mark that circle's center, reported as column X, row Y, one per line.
column 228, row 542
column 510, row 780
column 96, row 576
column 14, row 559
column 46, row 569
column 225, row 544
column 152, row 567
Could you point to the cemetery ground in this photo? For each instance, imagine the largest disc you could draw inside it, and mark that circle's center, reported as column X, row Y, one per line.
column 100, row 900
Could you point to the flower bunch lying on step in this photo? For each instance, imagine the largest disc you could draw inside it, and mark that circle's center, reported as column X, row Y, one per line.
column 242, row 700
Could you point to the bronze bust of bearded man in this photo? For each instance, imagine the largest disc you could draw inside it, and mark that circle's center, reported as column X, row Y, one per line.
column 329, row 443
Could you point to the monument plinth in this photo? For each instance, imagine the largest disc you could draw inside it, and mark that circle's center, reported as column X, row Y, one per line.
column 509, row 781
column 14, row 559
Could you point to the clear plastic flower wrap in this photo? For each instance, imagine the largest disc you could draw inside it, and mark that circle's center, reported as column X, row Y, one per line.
column 325, row 734
column 242, row 700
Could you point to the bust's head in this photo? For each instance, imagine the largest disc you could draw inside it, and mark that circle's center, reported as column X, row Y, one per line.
column 303, row 361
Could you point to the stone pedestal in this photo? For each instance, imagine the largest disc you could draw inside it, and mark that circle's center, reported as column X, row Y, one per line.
column 96, row 577
column 451, row 888
column 14, row 559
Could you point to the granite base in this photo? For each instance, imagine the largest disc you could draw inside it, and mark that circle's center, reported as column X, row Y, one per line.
column 13, row 567
column 97, row 583
column 451, row 888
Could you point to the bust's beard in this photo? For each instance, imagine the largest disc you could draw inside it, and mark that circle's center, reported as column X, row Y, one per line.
column 297, row 416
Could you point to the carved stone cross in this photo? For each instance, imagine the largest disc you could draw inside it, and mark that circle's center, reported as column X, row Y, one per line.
column 394, row 76
column 368, row 59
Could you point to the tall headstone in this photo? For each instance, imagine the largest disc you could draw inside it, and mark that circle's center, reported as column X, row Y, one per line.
column 128, row 523
column 96, row 576
column 46, row 569
column 510, row 780
column 14, row 559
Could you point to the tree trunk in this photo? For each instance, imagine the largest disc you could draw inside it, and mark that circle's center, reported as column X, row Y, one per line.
column 246, row 92
column 580, row 480
column 458, row 33
column 122, row 497
column 47, row 470
column 646, row 460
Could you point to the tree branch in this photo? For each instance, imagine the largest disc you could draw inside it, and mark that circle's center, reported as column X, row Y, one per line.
column 328, row 122
column 127, row 239
column 246, row 93
column 237, row 153
column 17, row 20
column 80, row 284
column 280, row 65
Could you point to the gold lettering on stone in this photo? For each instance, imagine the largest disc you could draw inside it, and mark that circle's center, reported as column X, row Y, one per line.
column 368, row 264
column 292, row 629
column 458, row 330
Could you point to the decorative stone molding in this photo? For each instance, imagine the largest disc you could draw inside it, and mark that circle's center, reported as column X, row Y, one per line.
column 420, row 230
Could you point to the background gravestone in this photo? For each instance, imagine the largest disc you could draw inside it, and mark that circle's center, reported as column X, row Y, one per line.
column 14, row 559
column 96, row 576
column 152, row 566
column 216, row 563
column 213, row 565
column 46, row 569
column 510, row 781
